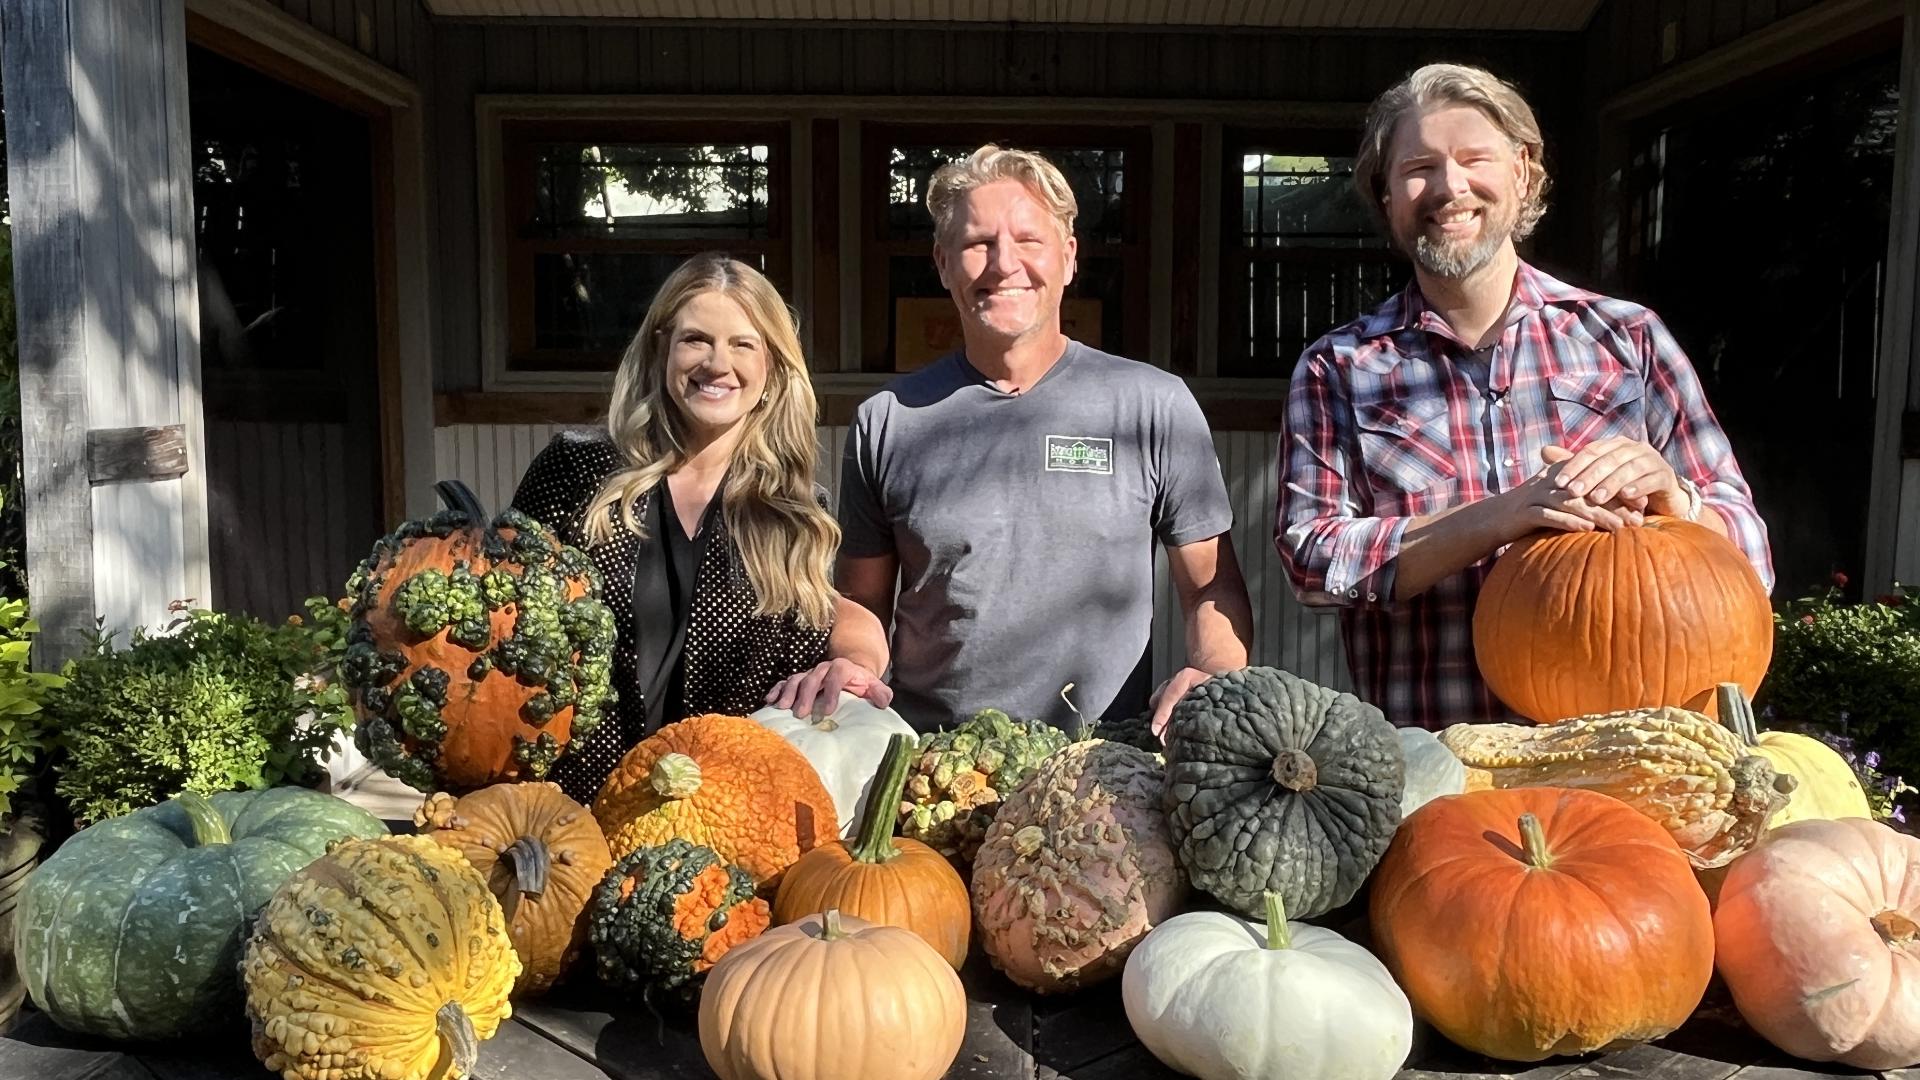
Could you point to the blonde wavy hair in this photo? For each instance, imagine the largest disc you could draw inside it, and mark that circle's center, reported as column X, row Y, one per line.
column 785, row 539
column 991, row 164
column 1441, row 85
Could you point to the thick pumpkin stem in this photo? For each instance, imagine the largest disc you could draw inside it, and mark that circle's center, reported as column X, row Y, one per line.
column 1534, row 839
column 209, row 827
column 1895, row 928
column 675, row 776
column 830, row 928
column 459, row 1047
column 875, row 842
column 1736, row 712
column 531, row 862
column 1294, row 770
column 1278, row 935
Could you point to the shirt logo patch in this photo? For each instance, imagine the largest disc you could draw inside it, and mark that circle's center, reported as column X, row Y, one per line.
column 1079, row 453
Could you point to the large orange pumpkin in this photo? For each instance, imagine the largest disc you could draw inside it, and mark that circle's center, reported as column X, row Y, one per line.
column 478, row 652
column 1572, row 624
column 1539, row 921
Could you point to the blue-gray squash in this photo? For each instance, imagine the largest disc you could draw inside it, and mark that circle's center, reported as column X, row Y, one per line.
column 1277, row 784
column 133, row 929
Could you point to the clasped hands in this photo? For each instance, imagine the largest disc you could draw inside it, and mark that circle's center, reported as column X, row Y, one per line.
column 1608, row 484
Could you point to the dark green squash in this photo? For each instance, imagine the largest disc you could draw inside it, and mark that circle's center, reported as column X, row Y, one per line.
column 664, row 915
column 132, row 930
column 1275, row 783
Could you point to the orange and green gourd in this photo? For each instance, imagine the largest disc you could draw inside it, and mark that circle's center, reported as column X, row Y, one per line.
column 663, row 916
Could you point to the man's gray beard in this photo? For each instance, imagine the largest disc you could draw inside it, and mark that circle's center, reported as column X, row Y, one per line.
column 1455, row 261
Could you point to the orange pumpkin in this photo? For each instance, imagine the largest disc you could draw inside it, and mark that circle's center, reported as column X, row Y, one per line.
column 541, row 854
column 1572, row 624
column 723, row 782
column 1539, row 921
column 884, row 879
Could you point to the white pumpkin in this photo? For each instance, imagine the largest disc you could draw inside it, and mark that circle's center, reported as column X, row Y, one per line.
column 1221, row 998
column 1432, row 770
column 844, row 747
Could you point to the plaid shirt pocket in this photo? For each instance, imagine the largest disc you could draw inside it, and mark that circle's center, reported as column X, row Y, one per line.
column 1408, row 453
column 1596, row 405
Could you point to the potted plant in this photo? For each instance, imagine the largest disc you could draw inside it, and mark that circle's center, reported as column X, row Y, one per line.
column 23, row 746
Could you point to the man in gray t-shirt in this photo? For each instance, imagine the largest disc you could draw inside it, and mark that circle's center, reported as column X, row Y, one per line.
column 1009, row 495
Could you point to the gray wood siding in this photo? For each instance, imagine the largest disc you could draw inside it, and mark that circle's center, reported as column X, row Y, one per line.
column 398, row 33
column 1627, row 41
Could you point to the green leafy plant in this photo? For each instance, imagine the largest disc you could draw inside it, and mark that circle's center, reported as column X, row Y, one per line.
column 23, row 733
column 214, row 702
column 1852, row 670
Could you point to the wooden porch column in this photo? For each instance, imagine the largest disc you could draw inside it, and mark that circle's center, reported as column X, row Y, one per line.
column 1893, row 512
column 99, row 171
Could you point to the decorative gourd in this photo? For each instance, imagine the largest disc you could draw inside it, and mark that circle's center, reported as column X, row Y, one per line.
column 1432, row 770
column 1577, row 623
column 844, row 747
column 132, row 928
column 663, row 915
column 541, row 854
column 1215, row 996
column 961, row 775
column 832, row 997
column 477, row 653
column 1679, row 768
column 1276, row 784
column 1077, row 868
column 384, row 959
column 723, row 782
column 1541, row 921
column 884, row 879
column 1826, row 786
column 1818, row 938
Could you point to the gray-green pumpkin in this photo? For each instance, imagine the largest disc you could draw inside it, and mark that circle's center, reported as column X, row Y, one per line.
column 132, row 930
column 1275, row 783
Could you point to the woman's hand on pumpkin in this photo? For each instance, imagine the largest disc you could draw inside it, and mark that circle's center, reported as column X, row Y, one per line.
column 1620, row 472
column 819, row 688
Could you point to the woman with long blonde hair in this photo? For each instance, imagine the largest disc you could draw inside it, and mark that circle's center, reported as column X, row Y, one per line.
column 699, row 507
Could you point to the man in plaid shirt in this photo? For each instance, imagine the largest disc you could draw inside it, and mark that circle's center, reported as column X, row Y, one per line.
column 1483, row 403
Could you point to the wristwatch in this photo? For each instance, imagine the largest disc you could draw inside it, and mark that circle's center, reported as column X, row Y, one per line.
column 1693, row 497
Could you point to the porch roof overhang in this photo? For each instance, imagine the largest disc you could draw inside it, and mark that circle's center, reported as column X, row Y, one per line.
column 1455, row 15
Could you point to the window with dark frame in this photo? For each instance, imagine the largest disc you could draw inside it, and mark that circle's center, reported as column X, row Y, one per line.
column 909, row 317
column 600, row 213
column 1301, row 255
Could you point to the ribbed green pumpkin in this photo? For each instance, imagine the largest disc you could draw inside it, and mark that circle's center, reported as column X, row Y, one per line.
column 132, row 930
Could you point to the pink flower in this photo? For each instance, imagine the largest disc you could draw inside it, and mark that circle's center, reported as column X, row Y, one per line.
column 1808, row 619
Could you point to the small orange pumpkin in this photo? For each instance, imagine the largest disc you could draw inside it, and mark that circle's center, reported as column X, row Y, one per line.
column 882, row 878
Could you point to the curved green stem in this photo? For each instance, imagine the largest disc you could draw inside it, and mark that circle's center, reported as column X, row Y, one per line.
column 459, row 1046
column 1736, row 712
column 874, row 842
column 1534, row 839
column 531, row 863
column 1279, row 936
column 209, row 827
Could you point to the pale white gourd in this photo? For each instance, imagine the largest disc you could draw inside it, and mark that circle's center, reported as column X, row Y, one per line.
column 1432, row 770
column 1221, row 998
column 844, row 747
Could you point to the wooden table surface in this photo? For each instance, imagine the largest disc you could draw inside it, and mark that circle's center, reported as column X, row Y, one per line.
column 582, row 1033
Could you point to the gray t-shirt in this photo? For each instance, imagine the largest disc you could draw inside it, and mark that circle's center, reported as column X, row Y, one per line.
column 1024, row 525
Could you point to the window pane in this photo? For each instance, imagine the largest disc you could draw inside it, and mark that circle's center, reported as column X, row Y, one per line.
column 594, row 302
column 651, row 191
column 1292, row 301
column 1096, row 176
column 1301, row 200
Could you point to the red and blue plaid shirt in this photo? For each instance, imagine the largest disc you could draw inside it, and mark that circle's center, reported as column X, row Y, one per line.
column 1392, row 416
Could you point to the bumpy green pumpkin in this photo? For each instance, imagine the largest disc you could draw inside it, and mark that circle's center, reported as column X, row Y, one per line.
column 665, row 915
column 960, row 777
column 132, row 930
column 1136, row 730
column 1275, row 783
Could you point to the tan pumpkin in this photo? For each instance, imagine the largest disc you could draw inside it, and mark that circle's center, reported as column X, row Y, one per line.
column 832, row 997
column 541, row 854
column 1679, row 768
column 1572, row 624
column 384, row 959
column 884, row 879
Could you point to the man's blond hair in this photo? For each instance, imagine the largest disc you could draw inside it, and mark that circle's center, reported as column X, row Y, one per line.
column 1441, row 85
column 991, row 164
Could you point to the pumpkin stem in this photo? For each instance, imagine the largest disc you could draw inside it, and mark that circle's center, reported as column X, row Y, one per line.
column 1082, row 731
column 1279, row 936
column 531, row 862
column 675, row 776
column 1534, row 838
column 875, row 839
column 1294, row 770
column 459, row 1047
column 1736, row 712
column 1895, row 928
column 830, row 928
column 209, row 827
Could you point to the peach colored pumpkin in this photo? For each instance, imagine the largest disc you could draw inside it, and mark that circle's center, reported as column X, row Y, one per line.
column 1076, row 868
column 1818, row 937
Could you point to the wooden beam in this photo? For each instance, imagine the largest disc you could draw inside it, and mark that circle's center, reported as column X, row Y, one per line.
column 1891, row 525
column 119, row 455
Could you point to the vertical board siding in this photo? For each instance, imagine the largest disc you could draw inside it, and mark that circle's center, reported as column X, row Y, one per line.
column 490, row 458
column 278, row 504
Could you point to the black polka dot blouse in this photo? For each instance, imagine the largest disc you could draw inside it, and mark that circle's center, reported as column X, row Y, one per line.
column 732, row 656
